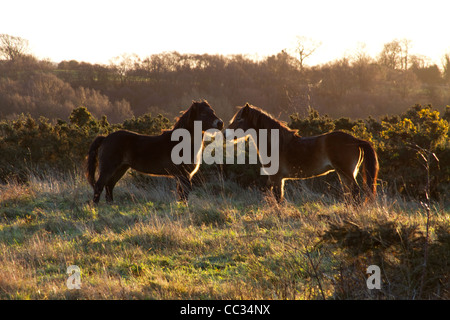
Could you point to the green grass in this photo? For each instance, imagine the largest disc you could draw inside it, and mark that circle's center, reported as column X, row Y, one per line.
column 226, row 243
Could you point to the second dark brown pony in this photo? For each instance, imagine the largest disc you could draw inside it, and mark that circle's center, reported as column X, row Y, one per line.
column 307, row 157
column 121, row 150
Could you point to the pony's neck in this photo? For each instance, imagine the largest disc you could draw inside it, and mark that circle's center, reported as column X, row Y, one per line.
column 285, row 135
column 196, row 140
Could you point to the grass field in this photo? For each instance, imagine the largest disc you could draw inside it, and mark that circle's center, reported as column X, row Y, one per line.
column 226, row 243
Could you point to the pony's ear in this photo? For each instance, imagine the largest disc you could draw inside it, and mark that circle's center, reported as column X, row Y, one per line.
column 192, row 111
column 245, row 109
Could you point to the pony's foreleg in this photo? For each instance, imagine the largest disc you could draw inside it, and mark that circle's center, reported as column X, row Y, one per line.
column 276, row 185
column 184, row 187
column 99, row 185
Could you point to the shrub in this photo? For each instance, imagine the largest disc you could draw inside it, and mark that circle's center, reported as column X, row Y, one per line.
column 33, row 145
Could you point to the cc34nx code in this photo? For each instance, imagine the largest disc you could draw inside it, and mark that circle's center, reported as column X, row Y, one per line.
column 229, row 309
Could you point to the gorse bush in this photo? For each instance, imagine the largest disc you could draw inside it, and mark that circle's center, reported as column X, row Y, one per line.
column 29, row 145
column 396, row 245
column 420, row 127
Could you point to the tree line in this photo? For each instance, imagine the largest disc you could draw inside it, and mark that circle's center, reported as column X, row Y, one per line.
column 354, row 86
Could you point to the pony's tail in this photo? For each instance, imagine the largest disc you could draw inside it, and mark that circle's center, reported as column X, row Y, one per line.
column 91, row 164
column 370, row 167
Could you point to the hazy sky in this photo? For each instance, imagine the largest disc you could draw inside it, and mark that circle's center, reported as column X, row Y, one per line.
column 98, row 30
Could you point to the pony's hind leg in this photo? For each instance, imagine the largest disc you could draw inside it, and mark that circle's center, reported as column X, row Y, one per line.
column 103, row 179
column 112, row 182
column 350, row 186
column 184, row 187
column 98, row 188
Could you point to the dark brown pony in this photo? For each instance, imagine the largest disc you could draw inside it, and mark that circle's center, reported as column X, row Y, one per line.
column 308, row 157
column 121, row 150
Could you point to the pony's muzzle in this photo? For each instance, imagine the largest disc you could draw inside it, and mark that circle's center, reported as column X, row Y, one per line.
column 218, row 124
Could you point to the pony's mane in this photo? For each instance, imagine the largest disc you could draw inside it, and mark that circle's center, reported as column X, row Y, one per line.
column 183, row 120
column 263, row 120
column 260, row 119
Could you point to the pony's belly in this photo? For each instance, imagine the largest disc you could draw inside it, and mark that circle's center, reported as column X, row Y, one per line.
column 305, row 173
column 166, row 170
column 158, row 171
column 323, row 172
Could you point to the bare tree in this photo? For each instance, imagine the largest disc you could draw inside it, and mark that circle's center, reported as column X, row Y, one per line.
column 446, row 67
column 304, row 48
column 389, row 56
column 419, row 61
column 124, row 64
column 360, row 56
column 12, row 47
column 395, row 54
column 405, row 45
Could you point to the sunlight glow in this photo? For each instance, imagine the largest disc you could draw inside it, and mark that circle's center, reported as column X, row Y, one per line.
column 96, row 31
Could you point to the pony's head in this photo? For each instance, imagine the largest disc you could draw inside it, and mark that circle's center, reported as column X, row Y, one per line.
column 241, row 119
column 199, row 111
